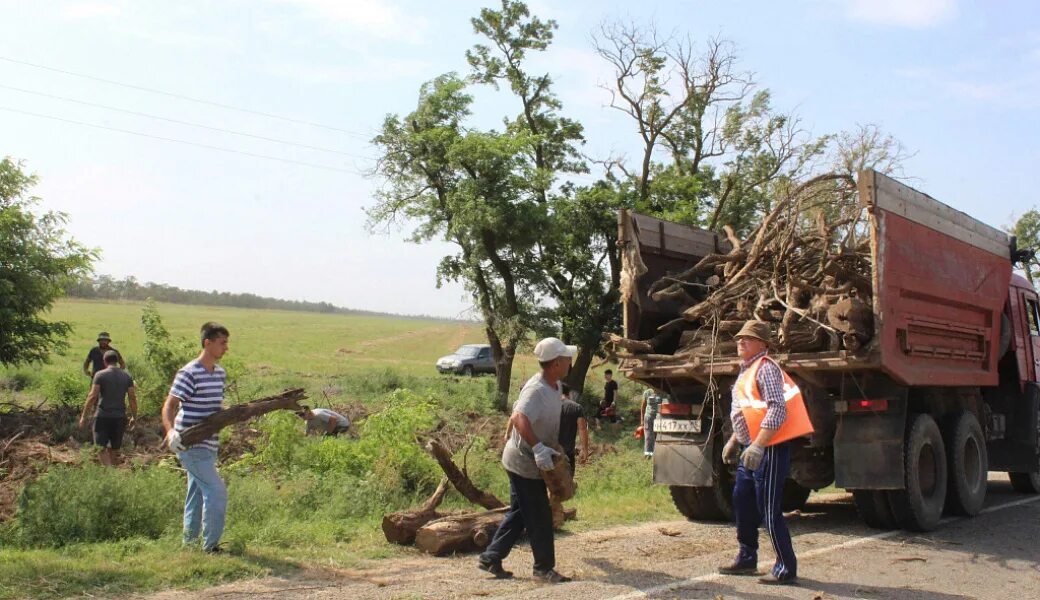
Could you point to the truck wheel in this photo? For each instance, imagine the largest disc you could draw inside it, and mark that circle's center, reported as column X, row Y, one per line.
column 919, row 505
column 794, row 497
column 1027, row 483
column 968, row 462
column 700, row 503
column 873, row 508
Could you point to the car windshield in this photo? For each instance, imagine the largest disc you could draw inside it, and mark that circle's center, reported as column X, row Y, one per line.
column 468, row 351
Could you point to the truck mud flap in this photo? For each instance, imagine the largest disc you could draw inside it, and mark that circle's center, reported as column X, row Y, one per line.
column 683, row 460
column 868, row 452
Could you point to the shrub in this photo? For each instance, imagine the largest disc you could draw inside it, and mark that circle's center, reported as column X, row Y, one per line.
column 93, row 503
column 68, row 389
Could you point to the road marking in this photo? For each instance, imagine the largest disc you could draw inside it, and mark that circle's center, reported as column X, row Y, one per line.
column 668, row 587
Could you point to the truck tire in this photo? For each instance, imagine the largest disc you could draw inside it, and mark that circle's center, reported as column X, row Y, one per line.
column 794, row 497
column 919, row 506
column 968, row 464
column 874, row 509
column 1026, row 483
column 697, row 503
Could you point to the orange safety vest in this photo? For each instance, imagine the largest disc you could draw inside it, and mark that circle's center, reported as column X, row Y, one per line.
column 753, row 407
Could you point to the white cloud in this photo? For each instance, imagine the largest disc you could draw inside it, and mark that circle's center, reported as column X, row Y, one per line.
column 377, row 18
column 917, row 14
column 89, row 10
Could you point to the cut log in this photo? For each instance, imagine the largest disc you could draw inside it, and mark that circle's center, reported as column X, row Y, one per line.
column 459, row 533
column 459, row 479
column 211, row 425
column 400, row 527
column 559, row 481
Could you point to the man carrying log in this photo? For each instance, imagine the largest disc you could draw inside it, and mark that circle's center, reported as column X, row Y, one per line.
column 767, row 412
column 198, row 392
column 536, row 423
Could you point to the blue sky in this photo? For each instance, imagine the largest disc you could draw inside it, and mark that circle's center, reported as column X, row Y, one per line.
column 957, row 82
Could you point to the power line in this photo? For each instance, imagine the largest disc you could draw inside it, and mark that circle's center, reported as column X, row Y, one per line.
column 169, row 120
column 181, row 96
column 177, row 141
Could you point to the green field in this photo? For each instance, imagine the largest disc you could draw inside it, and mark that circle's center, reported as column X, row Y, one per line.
column 296, row 504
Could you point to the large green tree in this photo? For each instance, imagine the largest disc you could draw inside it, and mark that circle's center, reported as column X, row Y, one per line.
column 1027, row 233
column 37, row 261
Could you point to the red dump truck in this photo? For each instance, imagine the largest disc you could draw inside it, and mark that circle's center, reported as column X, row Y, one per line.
column 911, row 424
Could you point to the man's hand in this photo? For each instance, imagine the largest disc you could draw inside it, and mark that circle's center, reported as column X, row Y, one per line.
column 82, row 422
column 173, row 441
column 752, row 456
column 583, row 457
column 133, row 420
column 543, row 456
column 731, row 451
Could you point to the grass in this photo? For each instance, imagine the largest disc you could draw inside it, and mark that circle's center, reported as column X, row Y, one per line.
column 296, row 503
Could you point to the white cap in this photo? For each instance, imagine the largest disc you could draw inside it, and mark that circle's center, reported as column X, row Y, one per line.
column 551, row 348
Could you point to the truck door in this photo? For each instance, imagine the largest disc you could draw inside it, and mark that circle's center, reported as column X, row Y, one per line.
column 1029, row 303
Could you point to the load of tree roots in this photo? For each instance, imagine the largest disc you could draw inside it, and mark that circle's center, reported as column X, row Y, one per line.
column 805, row 269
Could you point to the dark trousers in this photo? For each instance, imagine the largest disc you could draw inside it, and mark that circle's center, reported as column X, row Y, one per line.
column 757, row 498
column 529, row 510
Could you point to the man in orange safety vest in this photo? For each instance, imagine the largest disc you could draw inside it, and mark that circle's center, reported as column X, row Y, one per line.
column 767, row 412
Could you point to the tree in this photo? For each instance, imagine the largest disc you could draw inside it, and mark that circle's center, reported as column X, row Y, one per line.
column 1027, row 232
column 37, row 261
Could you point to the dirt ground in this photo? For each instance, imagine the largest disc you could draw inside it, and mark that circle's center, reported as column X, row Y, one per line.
column 995, row 555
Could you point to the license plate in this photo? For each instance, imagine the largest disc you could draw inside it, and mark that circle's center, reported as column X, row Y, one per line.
column 677, row 425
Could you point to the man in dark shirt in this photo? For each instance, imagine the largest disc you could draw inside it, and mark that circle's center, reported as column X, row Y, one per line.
column 96, row 357
column 112, row 385
column 609, row 395
column 573, row 423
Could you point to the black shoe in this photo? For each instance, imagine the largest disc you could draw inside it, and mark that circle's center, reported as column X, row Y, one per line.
column 495, row 568
column 550, row 576
column 774, row 580
column 738, row 569
column 218, row 549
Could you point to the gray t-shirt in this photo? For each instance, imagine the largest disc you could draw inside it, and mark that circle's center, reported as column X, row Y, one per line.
column 114, row 383
column 322, row 416
column 541, row 404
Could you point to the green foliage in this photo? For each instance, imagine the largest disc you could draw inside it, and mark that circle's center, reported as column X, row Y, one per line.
column 68, row 389
column 1027, row 232
column 163, row 355
column 91, row 503
column 37, row 261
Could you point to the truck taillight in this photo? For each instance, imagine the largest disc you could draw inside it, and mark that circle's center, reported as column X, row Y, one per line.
column 676, row 409
column 865, row 405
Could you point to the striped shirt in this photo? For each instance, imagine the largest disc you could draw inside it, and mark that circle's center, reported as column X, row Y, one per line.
column 771, row 385
column 201, row 393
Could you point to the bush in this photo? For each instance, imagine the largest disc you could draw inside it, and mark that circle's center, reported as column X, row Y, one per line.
column 93, row 503
column 163, row 356
column 19, row 380
column 67, row 390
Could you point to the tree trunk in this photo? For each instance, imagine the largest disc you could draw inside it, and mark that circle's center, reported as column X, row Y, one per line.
column 580, row 369
column 503, row 377
column 459, row 533
column 400, row 527
column 211, row 425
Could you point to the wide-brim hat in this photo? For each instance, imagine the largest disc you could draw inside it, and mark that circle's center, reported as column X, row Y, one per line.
column 104, row 337
column 755, row 329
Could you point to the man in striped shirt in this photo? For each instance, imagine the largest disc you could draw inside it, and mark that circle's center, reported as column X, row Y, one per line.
column 198, row 392
column 763, row 467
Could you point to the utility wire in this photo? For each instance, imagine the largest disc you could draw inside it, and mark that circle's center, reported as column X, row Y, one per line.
column 177, row 141
column 181, row 96
column 169, row 120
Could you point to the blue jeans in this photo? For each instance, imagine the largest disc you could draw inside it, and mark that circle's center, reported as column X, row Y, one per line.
column 529, row 510
column 649, row 437
column 205, row 506
column 757, row 498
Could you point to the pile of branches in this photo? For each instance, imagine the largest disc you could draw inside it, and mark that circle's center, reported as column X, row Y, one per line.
column 805, row 269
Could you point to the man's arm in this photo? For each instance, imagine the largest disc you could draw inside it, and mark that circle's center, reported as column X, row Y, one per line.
column 642, row 411
column 509, row 429
column 169, row 412
column 86, row 366
column 88, row 406
column 330, row 428
column 523, row 427
column 132, row 395
column 122, row 363
column 583, row 433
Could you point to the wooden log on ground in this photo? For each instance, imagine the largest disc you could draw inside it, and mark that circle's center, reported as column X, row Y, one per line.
column 459, row 479
column 211, row 425
column 459, row 533
column 400, row 527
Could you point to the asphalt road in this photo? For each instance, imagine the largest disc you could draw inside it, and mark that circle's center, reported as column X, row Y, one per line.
column 995, row 555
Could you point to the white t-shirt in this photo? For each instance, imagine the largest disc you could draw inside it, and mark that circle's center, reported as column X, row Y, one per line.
column 541, row 404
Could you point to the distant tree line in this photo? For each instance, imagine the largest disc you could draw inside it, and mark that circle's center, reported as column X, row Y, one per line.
column 106, row 287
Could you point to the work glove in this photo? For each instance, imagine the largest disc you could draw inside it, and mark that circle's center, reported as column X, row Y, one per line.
column 543, row 456
column 640, row 432
column 173, row 441
column 752, row 457
column 731, row 451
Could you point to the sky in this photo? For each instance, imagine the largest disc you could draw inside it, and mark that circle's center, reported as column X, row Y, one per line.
column 957, row 82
